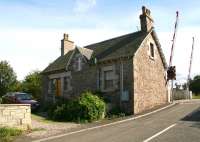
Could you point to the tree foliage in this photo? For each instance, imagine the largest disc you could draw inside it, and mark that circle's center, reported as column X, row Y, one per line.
column 32, row 84
column 7, row 77
column 195, row 85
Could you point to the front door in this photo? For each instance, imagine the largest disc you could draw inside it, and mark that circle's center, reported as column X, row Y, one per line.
column 58, row 87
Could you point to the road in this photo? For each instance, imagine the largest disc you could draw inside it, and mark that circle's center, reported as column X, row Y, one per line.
column 180, row 123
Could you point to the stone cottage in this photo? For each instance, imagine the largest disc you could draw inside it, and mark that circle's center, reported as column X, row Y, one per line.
column 129, row 70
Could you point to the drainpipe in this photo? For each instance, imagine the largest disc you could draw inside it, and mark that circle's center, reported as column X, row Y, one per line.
column 121, row 80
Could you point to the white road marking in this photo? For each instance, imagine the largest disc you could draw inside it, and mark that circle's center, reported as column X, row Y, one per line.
column 159, row 133
column 110, row 124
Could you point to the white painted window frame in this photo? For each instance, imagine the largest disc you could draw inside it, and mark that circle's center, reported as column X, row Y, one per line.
column 114, row 77
column 154, row 50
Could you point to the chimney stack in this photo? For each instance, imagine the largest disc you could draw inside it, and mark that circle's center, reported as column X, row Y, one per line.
column 146, row 21
column 66, row 44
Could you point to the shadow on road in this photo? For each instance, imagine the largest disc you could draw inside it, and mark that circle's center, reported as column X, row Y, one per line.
column 193, row 117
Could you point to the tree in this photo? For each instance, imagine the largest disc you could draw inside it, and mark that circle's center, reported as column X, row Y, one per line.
column 7, row 77
column 195, row 85
column 17, row 87
column 32, row 84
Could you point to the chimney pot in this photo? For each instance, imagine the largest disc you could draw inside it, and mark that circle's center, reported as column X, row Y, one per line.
column 143, row 9
column 146, row 20
column 66, row 36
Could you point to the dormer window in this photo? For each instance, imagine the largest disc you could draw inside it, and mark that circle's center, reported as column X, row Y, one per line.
column 152, row 54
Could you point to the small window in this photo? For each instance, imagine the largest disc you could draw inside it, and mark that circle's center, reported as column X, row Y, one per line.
column 152, row 50
column 108, row 81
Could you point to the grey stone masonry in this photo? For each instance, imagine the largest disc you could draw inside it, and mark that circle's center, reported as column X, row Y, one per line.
column 15, row 115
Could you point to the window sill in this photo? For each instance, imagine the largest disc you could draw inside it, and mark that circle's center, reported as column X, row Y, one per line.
column 108, row 90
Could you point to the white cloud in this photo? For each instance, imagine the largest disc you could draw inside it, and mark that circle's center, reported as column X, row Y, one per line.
column 31, row 49
column 82, row 6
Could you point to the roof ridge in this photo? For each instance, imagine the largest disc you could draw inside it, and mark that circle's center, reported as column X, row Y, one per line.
column 114, row 38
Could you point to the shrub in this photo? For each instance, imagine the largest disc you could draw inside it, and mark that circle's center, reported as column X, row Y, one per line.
column 92, row 107
column 88, row 107
column 1, row 101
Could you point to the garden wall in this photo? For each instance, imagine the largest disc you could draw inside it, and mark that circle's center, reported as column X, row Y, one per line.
column 15, row 115
column 181, row 94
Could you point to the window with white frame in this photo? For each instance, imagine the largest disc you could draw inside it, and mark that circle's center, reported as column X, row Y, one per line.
column 152, row 52
column 108, row 79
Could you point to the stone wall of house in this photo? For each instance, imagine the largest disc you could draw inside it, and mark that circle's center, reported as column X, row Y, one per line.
column 45, row 95
column 89, row 79
column 84, row 80
column 115, row 96
column 15, row 115
column 149, row 78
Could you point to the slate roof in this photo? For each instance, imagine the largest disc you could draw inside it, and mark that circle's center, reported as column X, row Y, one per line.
column 106, row 47
column 122, row 46
column 59, row 64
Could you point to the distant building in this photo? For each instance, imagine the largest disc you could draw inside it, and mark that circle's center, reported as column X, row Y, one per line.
column 129, row 70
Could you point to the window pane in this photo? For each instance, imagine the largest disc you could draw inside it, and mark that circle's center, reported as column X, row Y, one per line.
column 108, row 84
column 108, row 80
column 108, row 74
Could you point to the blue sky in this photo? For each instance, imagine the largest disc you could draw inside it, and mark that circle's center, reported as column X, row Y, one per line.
column 31, row 30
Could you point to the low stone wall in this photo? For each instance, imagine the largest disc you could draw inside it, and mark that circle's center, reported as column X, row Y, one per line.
column 15, row 115
column 181, row 94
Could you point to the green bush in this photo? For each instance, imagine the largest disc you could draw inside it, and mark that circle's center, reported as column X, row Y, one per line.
column 92, row 107
column 1, row 101
column 88, row 107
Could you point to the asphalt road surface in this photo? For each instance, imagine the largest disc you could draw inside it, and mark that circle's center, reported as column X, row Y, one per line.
column 180, row 123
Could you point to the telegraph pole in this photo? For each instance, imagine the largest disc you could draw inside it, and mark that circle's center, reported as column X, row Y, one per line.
column 190, row 66
column 171, row 71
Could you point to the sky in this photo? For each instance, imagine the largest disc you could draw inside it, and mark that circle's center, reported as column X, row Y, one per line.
column 31, row 30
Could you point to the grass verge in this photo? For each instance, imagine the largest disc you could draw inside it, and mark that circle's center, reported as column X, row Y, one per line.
column 41, row 118
column 9, row 134
column 196, row 96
